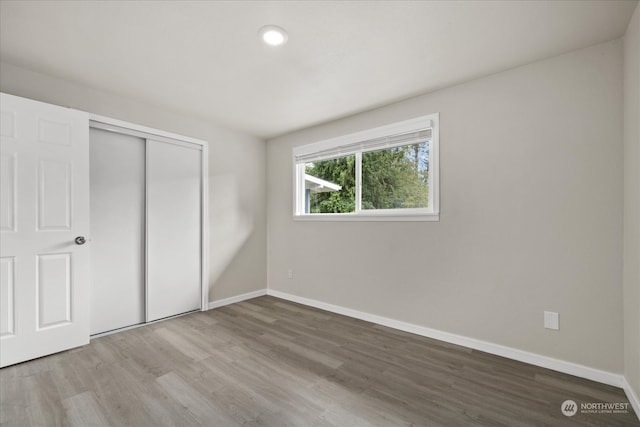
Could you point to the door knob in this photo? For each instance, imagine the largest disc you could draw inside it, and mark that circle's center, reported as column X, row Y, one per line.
column 80, row 240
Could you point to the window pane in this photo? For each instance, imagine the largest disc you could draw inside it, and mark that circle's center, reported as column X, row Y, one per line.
column 396, row 178
column 330, row 185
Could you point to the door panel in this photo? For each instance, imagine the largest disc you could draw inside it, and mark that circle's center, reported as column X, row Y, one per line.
column 45, row 206
column 53, row 284
column 8, row 192
column 173, row 229
column 7, row 299
column 51, row 131
column 117, row 230
column 54, row 195
column 7, row 124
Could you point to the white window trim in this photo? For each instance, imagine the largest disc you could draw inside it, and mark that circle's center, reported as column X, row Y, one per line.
column 417, row 214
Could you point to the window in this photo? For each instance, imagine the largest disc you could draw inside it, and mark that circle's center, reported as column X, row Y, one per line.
column 386, row 173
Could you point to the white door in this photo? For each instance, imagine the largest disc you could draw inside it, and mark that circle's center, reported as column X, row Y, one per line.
column 44, row 203
column 117, row 230
column 173, row 229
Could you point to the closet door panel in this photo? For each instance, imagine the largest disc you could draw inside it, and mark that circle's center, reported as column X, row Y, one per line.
column 173, row 229
column 117, row 230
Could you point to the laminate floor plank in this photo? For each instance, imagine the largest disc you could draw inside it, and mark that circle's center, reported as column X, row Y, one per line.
column 243, row 310
column 182, row 344
column 207, row 411
column 308, row 353
column 270, row 362
column 265, row 392
column 83, row 410
column 45, row 407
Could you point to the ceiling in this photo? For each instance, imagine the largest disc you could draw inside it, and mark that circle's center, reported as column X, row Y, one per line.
column 204, row 58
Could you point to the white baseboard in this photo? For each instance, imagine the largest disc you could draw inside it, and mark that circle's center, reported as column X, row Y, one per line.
column 488, row 347
column 237, row 298
column 632, row 396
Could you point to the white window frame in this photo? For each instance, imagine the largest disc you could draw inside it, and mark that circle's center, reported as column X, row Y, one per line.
column 432, row 213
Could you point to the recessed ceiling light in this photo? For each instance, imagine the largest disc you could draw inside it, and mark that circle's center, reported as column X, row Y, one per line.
column 273, row 35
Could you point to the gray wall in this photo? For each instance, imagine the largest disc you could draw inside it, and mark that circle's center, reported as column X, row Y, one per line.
column 632, row 203
column 531, row 215
column 236, row 174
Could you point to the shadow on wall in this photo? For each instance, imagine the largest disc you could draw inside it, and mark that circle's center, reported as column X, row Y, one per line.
column 229, row 226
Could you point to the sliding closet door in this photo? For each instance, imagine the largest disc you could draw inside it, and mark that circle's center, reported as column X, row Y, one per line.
column 117, row 230
column 173, row 229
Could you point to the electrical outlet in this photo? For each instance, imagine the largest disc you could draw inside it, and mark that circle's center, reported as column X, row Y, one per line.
column 290, row 274
column 551, row 320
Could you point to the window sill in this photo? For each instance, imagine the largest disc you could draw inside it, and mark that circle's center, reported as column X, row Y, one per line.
column 435, row 217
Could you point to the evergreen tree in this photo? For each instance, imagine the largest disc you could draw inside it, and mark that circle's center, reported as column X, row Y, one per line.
column 391, row 179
